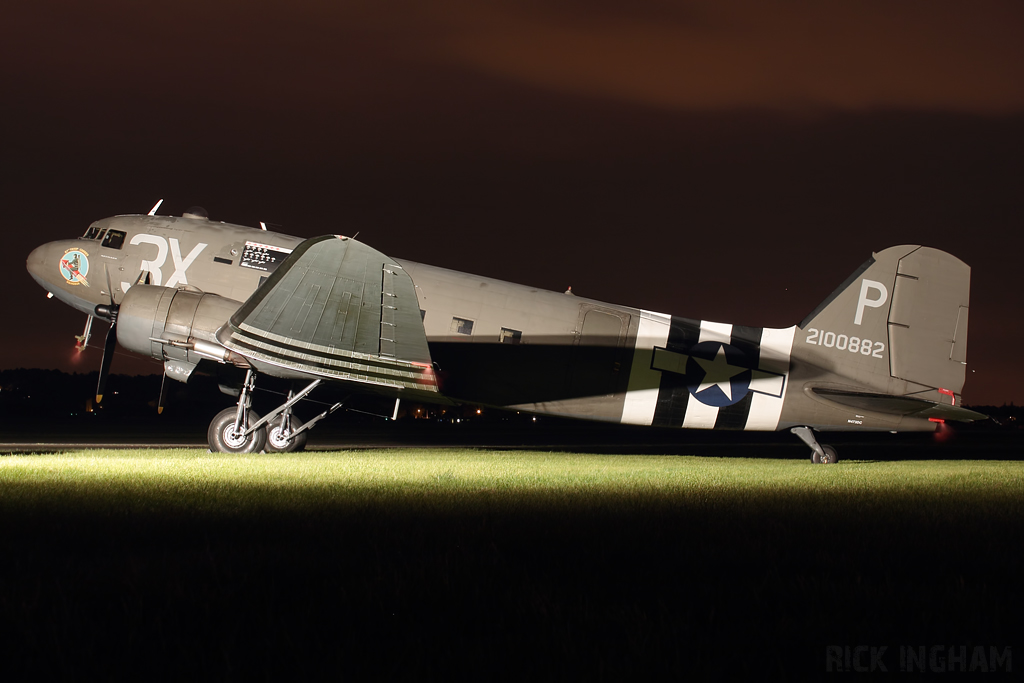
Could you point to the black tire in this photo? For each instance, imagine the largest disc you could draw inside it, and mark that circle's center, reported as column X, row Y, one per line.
column 277, row 444
column 830, row 457
column 222, row 435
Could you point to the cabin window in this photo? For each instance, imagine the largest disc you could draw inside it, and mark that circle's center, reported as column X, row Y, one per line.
column 509, row 336
column 92, row 233
column 114, row 239
column 462, row 326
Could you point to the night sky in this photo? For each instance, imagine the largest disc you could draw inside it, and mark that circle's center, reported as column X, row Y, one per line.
column 725, row 161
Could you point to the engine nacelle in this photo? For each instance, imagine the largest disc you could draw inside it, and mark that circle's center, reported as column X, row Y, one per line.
column 187, row 321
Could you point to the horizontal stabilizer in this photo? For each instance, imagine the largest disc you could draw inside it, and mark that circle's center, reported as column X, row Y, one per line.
column 339, row 309
column 899, row 405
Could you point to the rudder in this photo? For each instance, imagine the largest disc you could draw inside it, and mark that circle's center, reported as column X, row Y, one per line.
column 928, row 319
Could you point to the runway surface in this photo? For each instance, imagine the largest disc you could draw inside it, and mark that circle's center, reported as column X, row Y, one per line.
column 962, row 444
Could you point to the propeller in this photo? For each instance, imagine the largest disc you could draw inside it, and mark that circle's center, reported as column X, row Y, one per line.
column 109, row 313
column 163, row 395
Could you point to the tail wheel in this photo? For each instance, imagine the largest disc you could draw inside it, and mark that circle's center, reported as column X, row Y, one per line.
column 225, row 438
column 276, row 440
column 829, row 457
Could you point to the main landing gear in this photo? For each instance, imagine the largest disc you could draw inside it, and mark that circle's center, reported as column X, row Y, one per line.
column 240, row 430
column 821, row 454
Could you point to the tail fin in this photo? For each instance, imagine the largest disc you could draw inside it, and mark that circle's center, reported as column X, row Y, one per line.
column 900, row 320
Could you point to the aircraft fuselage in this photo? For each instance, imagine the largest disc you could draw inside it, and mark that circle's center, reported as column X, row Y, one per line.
column 512, row 346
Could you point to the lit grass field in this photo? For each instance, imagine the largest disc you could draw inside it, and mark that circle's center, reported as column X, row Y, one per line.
column 192, row 481
column 418, row 563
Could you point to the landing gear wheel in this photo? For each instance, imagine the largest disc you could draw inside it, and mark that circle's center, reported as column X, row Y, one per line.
column 224, row 438
column 828, row 458
column 276, row 441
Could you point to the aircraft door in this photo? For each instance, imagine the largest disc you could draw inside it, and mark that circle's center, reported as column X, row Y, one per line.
column 598, row 357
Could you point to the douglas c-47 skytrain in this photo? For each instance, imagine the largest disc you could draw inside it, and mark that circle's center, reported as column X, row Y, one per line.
column 886, row 351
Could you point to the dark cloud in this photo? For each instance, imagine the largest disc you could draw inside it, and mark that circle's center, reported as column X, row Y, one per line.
column 794, row 55
column 788, row 55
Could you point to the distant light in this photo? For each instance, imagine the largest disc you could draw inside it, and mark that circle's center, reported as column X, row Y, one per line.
column 477, row 411
column 534, row 419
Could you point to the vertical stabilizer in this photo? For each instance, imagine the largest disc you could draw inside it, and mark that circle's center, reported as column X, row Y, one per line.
column 899, row 320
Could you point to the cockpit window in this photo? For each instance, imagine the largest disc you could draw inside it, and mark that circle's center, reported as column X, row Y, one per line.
column 114, row 239
column 92, row 233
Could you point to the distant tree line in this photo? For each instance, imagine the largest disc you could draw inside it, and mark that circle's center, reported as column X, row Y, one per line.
column 52, row 394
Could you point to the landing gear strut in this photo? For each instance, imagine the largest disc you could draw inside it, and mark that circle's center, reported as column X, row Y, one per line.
column 283, row 434
column 240, row 430
column 230, row 431
column 822, row 454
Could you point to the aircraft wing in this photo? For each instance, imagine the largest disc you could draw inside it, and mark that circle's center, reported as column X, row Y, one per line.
column 337, row 309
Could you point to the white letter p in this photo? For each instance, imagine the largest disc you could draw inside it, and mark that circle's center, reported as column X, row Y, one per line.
column 865, row 287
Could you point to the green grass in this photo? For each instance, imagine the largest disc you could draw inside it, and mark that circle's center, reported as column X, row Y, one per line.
column 461, row 480
column 419, row 563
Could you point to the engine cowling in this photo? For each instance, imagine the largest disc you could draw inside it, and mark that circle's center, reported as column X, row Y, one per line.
column 186, row 320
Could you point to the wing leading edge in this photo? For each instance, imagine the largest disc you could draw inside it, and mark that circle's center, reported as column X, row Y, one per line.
column 337, row 309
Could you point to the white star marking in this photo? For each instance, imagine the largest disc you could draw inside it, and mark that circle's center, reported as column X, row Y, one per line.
column 718, row 373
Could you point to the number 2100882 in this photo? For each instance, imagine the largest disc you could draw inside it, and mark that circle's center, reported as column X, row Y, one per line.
column 841, row 342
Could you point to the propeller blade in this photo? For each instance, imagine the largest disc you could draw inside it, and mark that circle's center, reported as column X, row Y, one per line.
column 108, row 354
column 163, row 395
column 110, row 290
